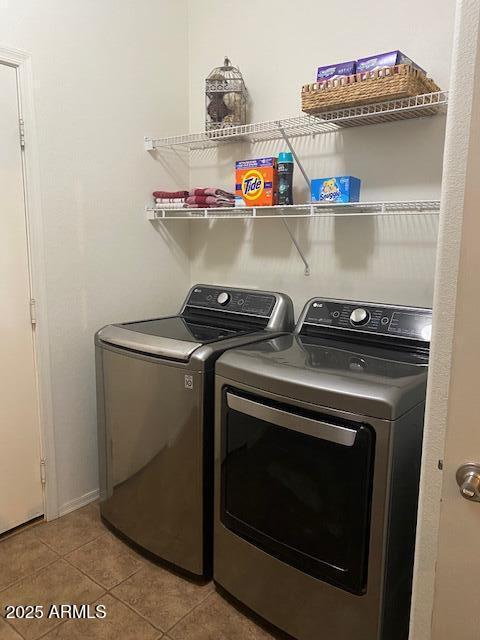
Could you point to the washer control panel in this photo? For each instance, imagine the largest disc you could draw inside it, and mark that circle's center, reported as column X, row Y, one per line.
column 233, row 300
column 328, row 315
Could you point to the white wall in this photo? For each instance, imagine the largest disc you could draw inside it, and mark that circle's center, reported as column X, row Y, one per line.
column 278, row 46
column 105, row 74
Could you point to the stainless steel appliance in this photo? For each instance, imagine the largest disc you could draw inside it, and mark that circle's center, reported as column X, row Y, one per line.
column 317, row 458
column 155, row 384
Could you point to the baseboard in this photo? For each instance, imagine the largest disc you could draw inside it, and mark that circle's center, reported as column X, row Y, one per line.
column 79, row 502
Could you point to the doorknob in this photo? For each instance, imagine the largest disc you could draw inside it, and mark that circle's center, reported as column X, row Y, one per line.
column 468, row 479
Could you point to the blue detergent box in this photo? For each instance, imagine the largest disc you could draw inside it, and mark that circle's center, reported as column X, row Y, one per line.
column 337, row 189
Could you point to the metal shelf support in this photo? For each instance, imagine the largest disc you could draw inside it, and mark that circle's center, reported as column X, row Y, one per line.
column 297, row 247
column 307, row 180
column 294, row 154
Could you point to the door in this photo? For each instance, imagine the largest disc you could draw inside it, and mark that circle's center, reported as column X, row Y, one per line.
column 286, row 487
column 21, row 496
column 456, row 611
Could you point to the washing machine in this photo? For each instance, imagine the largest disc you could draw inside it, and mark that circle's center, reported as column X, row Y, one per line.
column 317, row 462
column 155, row 385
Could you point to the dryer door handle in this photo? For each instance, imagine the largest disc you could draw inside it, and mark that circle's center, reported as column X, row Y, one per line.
column 293, row 421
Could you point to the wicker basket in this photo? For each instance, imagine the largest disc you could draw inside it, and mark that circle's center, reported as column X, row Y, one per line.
column 389, row 83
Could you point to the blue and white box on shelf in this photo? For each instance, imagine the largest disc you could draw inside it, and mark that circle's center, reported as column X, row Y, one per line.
column 336, row 189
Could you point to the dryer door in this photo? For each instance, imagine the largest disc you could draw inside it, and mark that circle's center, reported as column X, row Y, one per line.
column 298, row 485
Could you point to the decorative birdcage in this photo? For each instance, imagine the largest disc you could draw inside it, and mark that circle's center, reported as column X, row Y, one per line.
column 225, row 98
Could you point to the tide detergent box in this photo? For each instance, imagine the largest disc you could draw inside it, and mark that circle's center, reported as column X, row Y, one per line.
column 256, row 182
column 338, row 189
column 381, row 60
column 333, row 71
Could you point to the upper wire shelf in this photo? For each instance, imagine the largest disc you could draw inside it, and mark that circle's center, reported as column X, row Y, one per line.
column 427, row 104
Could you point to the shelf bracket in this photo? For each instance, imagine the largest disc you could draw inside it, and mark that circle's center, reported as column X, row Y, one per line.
column 307, row 180
column 297, row 247
column 294, row 154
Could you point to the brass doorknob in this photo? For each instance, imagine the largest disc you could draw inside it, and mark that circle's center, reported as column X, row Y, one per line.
column 468, row 479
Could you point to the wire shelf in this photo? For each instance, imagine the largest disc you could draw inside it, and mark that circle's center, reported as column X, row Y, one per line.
column 428, row 104
column 397, row 207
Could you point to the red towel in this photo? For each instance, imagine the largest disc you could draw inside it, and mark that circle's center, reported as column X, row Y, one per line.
column 211, row 191
column 170, row 194
column 217, row 200
column 209, row 206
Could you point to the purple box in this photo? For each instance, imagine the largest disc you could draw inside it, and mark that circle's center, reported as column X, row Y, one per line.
column 381, row 60
column 336, row 71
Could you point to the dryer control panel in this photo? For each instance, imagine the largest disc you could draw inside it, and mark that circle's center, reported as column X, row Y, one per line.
column 243, row 301
column 389, row 321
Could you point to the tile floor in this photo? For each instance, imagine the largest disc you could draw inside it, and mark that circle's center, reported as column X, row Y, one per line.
column 76, row 560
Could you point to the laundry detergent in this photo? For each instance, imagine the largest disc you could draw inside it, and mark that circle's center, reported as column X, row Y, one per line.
column 256, row 182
